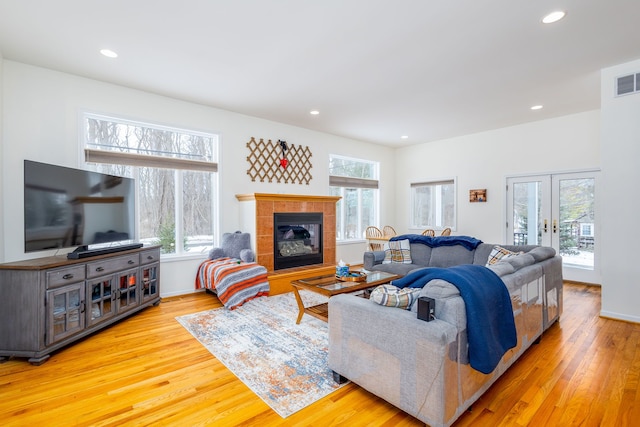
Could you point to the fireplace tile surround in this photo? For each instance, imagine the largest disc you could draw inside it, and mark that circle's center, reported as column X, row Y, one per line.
column 257, row 218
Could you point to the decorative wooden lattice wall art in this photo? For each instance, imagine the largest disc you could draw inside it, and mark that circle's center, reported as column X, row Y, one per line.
column 278, row 161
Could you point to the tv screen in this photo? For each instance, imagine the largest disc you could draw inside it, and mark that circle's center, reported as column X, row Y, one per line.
column 66, row 207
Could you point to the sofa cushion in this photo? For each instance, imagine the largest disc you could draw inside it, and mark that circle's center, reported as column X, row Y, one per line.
column 448, row 256
column 498, row 253
column 392, row 296
column 541, row 253
column 502, row 268
column 482, row 252
column 395, row 268
column 420, row 254
column 397, row 251
column 519, row 261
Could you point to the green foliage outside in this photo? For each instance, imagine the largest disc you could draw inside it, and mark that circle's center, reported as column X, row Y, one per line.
column 167, row 238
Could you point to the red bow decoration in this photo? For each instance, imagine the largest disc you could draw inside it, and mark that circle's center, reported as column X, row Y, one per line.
column 283, row 161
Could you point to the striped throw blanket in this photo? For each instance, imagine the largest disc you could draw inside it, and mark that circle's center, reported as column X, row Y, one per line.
column 234, row 282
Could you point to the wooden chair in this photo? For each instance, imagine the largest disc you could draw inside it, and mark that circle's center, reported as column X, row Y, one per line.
column 446, row 232
column 429, row 232
column 372, row 233
column 388, row 231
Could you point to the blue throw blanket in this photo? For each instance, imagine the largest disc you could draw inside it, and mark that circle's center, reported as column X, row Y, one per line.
column 469, row 243
column 491, row 330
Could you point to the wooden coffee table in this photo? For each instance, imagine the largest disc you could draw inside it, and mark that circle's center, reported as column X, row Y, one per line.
column 329, row 286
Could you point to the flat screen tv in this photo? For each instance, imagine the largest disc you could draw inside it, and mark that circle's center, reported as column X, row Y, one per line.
column 66, row 207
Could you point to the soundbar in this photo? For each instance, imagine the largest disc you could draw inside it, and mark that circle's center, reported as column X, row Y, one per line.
column 84, row 251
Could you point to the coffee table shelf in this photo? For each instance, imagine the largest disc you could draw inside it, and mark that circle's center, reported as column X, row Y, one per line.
column 329, row 285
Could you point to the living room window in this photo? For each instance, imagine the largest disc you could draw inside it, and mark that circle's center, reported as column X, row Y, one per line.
column 176, row 178
column 356, row 181
column 433, row 204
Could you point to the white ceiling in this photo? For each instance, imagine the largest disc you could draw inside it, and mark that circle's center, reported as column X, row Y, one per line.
column 374, row 69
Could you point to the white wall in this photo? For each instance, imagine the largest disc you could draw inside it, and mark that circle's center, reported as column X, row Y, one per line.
column 621, row 205
column 484, row 160
column 41, row 114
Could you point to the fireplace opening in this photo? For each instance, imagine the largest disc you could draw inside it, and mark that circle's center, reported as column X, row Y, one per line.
column 297, row 239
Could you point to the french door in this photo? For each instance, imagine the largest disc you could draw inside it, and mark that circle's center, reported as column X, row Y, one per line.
column 557, row 210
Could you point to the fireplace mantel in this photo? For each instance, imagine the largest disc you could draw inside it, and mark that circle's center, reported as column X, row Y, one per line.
column 273, row 197
column 257, row 218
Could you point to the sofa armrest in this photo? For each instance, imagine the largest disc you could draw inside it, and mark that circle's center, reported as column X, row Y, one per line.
column 373, row 258
column 413, row 368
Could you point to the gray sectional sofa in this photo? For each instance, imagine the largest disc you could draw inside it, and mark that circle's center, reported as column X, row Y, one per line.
column 423, row 367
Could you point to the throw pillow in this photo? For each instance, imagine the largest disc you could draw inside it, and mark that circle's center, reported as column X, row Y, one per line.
column 392, row 296
column 397, row 251
column 499, row 253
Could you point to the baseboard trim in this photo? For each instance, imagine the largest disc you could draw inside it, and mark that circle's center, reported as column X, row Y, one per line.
column 617, row 316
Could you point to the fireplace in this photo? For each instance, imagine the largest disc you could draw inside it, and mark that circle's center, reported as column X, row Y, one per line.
column 256, row 215
column 297, row 239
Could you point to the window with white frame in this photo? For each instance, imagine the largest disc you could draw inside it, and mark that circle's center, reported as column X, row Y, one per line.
column 586, row 229
column 433, row 204
column 176, row 178
column 356, row 181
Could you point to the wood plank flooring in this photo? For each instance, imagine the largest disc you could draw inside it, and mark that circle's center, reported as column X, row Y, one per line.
column 148, row 370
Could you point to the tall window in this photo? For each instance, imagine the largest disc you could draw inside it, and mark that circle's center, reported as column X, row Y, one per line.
column 175, row 172
column 433, row 204
column 356, row 181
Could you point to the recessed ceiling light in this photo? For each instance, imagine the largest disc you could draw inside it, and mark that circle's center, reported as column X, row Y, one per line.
column 537, row 107
column 404, row 137
column 314, row 112
column 108, row 53
column 554, row 17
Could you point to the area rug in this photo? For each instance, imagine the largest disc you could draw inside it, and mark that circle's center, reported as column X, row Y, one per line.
column 285, row 364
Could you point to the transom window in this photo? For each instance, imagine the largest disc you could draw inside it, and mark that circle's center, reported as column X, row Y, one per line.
column 433, row 204
column 176, row 178
column 356, row 181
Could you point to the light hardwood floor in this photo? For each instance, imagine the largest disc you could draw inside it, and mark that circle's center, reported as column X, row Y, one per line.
column 148, row 370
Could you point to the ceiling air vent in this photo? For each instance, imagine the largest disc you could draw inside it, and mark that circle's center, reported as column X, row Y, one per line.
column 628, row 84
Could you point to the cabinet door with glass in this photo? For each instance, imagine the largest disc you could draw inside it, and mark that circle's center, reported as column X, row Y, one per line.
column 127, row 282
column 149, row 277
column 65, row 312
column 101, row 295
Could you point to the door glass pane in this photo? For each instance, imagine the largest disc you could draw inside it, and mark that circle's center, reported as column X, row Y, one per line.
column 59, row 303
column 95, row 310
column 59, row 313
column 73, row 320
column 527, row 226
column 576, row 221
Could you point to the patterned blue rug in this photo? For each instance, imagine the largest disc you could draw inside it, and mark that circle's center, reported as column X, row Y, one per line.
column 283, row 363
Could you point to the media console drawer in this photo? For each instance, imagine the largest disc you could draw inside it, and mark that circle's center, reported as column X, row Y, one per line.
column 108, row 266
column 147, row 257
column 65, row 276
